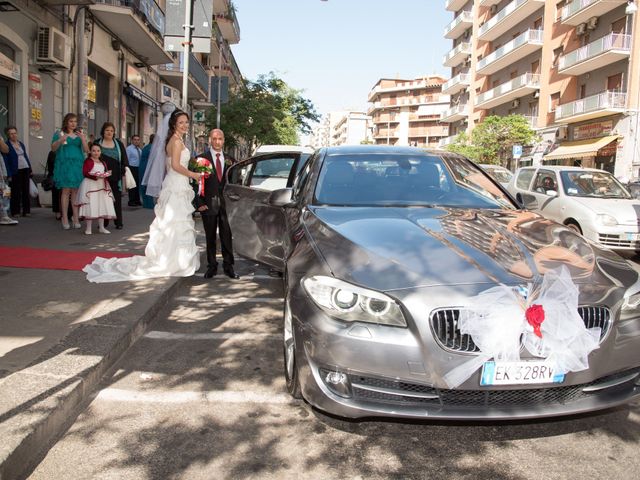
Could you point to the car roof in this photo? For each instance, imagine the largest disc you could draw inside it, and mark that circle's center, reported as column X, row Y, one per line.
column 558, row 168
column 283, row 148
column 381, row 150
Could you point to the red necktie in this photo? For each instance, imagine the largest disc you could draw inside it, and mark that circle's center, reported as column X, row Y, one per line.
column 218, row 167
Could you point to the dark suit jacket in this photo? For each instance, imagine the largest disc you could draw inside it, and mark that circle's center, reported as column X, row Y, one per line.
column 213, row 198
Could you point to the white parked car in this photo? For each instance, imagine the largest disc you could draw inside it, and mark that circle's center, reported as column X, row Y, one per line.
column 590, row 201
column 500, row 174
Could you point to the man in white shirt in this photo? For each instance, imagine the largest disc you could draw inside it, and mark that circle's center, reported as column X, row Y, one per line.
column 133, row 154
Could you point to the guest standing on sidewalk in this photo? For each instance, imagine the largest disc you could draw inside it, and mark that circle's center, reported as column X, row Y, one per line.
column 5, row 191
column 147, row 201
column 70, row 145
column 133, row 154
column 19, row 171
column 115, row 154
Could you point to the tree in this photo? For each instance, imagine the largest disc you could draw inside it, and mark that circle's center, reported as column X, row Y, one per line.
column 492, row 140
column 266, row 111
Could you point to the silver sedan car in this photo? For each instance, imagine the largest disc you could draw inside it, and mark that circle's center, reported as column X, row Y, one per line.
column 382, row 250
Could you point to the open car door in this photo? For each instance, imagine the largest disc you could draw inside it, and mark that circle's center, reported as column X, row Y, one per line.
column 258, row 228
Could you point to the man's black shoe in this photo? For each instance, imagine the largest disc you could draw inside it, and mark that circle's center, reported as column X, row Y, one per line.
column 118, row 227
column 230, row 273
column 211, row 271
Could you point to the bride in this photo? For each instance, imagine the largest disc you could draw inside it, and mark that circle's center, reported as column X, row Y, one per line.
column 171, row 249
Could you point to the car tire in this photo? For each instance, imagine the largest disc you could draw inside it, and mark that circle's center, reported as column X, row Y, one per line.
column 574, row 226
column 291, row 374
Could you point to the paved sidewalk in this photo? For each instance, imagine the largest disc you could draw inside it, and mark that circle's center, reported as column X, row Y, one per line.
column 59, row 334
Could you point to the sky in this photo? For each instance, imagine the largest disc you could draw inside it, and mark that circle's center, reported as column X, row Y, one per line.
column 335, row 51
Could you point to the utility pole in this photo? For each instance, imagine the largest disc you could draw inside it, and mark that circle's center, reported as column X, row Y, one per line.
column 221, row 46
column 186, row 48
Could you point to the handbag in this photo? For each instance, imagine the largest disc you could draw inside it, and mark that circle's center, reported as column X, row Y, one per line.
column 129, row 181
column 47, row 184
column 33, row 188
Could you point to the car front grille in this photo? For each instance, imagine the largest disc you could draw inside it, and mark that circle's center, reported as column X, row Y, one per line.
column 444, row 325
column 404, row 393
column 615, row 241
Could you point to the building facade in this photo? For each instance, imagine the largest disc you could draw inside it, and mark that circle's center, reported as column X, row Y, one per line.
column 572, row 67
column 408, row 112
column 353, row 128
column 118, row 68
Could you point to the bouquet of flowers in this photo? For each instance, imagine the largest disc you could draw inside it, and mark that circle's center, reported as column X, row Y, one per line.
column 201, row 165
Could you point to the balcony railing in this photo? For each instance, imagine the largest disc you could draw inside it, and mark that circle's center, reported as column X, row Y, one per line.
column 531, row 80
column 454, row 5
column 147, row 10
column 457, row 112
column 618, row 44
column 579, row 11
column 447, row 141
column 508, row 17
column 590, row 107
column 531, row 40
column 456, row 84
column 459, row 25
column 456, row 55
column 196, row 71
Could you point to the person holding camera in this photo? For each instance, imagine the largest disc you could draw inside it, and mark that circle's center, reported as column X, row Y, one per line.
column 70, row 145
column 18, row 168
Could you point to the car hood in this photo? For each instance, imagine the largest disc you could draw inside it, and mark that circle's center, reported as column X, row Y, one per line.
column 395, row 248
column 626, row 211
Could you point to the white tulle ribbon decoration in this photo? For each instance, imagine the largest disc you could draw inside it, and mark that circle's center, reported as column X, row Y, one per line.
column 548, row 323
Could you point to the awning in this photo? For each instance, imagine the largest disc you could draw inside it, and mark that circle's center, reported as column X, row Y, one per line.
column 139, row 95
column 580, row 148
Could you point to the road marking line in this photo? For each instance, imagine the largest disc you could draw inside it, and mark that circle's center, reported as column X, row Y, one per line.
column 217, row 396
column 157, row 335
column 227, row 300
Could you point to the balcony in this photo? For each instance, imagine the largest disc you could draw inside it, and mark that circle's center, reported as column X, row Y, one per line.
column 198, row 86
column 507, row 18
column 221, row 6
column 441, row 131
column 228, row 24
column 457, row 55
column 531, row 120
column 488, row 3
column 456, row 28
column 518, row 48
column 509, row 91
column 599, row 105
column 579, row 11
column 455, row 113
column 454, row 5
column 597, row 54
column 456, row 84
column 139, row 24
column 447, row 141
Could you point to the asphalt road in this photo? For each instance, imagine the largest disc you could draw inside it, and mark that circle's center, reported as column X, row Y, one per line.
column 202, row 396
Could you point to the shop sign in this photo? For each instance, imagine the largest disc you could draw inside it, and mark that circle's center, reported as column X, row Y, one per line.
column 91, row 89
column 592, row 130
column 608, row 150
column 35, row 105
column 9, row 68
column 134, row 77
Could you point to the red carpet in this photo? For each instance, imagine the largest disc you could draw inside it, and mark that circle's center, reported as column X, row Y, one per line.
column 24, row 257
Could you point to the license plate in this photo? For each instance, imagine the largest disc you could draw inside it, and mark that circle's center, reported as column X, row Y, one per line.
column 632, row 237
column 519, row 373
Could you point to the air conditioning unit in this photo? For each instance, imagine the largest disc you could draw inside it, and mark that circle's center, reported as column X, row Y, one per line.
column 515, row 103
column 536, row 94
column 581, row 29
column 52, row 49
column 592, row 23
column 493, row 9
column 561, row 133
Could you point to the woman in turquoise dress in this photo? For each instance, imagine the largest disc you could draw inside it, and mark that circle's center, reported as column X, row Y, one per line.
column 71, row 148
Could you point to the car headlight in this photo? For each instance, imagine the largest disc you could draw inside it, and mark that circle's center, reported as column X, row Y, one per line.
column 351, row 303
column 631, row 302
column 606, row 220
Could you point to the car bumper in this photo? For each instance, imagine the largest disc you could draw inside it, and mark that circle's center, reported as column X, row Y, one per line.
column 393, row 378
column 616, row 238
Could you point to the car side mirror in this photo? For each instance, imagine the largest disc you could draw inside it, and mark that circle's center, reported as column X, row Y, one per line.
column 551, row 193
column 282, row 197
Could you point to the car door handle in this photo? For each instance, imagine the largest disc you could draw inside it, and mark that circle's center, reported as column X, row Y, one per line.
column 233, row 196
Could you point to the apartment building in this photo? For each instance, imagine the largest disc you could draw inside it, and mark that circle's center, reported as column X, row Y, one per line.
column 353, row 128
column 408, row 112
column 118, row 68
column 572, row 67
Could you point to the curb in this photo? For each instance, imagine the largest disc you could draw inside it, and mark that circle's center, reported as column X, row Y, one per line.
column 44, row 399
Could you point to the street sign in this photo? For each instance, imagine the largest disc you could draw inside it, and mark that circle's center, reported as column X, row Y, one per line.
column 224, row 90
column 202, row 17
column 517, row 151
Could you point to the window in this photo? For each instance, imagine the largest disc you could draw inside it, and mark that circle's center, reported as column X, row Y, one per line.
column 545, row 182
column 554, row 101
column 559, row 6
column 271, row 173
column 524, row 179
column 557, row 53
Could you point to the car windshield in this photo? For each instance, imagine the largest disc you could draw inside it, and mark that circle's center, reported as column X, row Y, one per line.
column 502, row 175
column 406, row 180
column 579, row 183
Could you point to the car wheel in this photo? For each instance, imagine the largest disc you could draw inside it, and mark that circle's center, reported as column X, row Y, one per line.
column 290, row 365
column 575, row 227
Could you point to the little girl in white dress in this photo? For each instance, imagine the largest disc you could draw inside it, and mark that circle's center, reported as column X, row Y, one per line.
column 94, row 195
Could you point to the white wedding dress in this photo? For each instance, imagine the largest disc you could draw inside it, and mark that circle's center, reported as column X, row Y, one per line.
column 171, row 249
